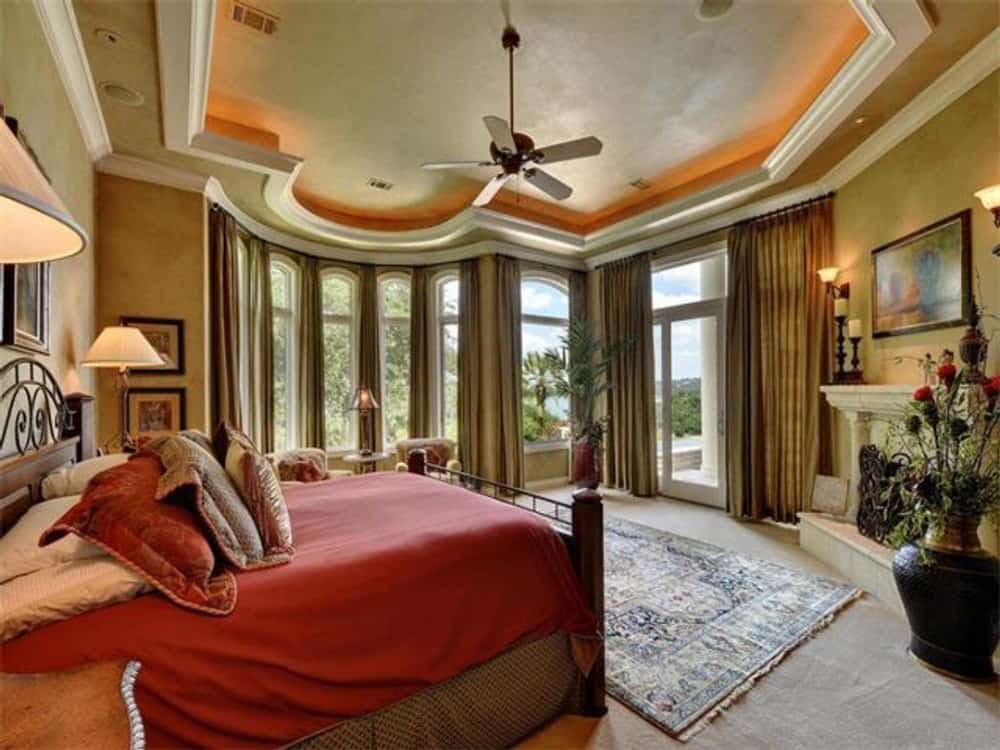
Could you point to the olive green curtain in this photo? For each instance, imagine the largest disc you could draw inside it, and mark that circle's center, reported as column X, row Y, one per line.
column 259, row 409
column 630, row 455
column 777, row 356
column 510, row 452
column 224, row 318
column 311, row 426
column 421, row 413
column 470, row 380
column 578, row 308
column 369, row 357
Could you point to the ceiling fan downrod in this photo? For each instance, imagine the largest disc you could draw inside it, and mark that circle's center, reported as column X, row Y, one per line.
column 511, row 40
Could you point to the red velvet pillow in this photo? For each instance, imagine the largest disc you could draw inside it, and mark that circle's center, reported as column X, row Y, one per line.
column 299, row 470
column 162, row 542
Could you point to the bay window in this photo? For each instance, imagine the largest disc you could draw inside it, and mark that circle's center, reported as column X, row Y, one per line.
column 544, row 322
column 394, row 349
column 285, row 324
column 446, row 296
column 338, row 291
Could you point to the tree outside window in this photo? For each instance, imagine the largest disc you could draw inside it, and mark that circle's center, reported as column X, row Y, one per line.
column 338, row 290
column 394, row 324
column 545, row 416
column 284, row 320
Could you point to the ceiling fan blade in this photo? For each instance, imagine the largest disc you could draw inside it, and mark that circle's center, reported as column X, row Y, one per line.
column 500, row 133
column 548, row 184
column 455, row 164
column 491, row 189
column 589, row 146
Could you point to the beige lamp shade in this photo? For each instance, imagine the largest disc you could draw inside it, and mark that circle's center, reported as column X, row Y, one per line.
column 990, row 197
column 828, row 275
column 364, row 400
column 122, row 346
column 34, row 224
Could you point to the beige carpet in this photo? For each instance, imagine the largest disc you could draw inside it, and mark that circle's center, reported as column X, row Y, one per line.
column 852, row 686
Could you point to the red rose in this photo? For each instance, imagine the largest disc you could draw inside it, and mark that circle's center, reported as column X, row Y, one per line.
column 991, row 388
column 923, row 393
column 946, row 373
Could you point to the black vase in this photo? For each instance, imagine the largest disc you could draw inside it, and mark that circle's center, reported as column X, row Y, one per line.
column 951, row 595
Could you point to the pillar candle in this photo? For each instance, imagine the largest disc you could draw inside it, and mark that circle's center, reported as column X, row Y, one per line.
column 854, row 329
column 840, row 308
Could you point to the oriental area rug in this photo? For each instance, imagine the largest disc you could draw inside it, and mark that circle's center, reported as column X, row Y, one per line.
column 691, row 626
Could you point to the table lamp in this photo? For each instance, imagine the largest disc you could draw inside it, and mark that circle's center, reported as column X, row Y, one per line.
column 122, row 347
column 364, row 403
column 36, row 225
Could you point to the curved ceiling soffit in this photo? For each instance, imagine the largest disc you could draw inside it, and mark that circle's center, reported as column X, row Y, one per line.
column 185, row 31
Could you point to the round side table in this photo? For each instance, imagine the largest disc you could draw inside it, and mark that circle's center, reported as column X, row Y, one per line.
column 364, row 463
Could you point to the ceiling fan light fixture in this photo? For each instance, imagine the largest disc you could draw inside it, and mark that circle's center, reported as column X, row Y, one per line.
column 713, row 10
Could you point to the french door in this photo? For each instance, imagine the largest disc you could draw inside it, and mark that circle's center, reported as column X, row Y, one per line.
column 688, row 346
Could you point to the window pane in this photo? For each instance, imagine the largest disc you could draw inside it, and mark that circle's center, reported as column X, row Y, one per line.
column 336, row 295
column 282, row 384
column 281, row 296
column 448, row 303
column 338, row 390
column 545, row 415
column 396, row 383
column 691, row 282
column 449, row 378
column 395, row 298
column 541, row 298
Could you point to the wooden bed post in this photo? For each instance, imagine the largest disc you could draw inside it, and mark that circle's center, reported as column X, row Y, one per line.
column 588, row 537
column 416, row 461
column 80, row 423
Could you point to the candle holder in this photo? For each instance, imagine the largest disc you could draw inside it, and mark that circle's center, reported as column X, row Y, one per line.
column 855, row 376
column 841, row 375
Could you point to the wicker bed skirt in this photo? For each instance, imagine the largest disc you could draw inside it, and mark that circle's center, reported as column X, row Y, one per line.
column 492, row 705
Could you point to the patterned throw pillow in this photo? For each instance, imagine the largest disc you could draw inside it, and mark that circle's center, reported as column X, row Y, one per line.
column 299, row 470
column 257, row 483
column 192, row 472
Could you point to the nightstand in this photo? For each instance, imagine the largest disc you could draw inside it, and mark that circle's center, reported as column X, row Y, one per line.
column 365, row 463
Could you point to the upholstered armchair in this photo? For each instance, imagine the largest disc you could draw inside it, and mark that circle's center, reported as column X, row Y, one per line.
column 303, row 465
column 440, row 452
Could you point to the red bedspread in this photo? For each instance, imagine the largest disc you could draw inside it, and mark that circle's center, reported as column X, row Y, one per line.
column 398, row 582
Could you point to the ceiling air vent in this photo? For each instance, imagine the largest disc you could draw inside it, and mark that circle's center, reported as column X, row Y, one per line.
column 375, row 182
column 255, row 18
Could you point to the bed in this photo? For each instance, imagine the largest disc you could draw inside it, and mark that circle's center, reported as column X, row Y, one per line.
column 415, row 613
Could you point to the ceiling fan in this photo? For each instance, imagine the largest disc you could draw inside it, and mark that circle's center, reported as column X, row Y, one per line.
column 515, row 153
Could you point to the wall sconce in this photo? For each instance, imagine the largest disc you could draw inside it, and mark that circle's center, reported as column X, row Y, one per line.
column 829, row 275
column 991, row 201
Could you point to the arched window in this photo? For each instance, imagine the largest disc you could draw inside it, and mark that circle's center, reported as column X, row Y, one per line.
column 339, row 301
column 446, row 295
column 285, row 324
column 544, row 322
column 394, row 332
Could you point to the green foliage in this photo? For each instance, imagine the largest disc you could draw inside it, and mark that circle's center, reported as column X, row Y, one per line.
column 685, row 412
column 949, row 458
column 337, row 390
column 540, row 372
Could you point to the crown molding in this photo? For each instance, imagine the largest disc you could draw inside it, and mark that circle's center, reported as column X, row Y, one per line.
column 972, row 68
column 147, row 171
column 59, row 25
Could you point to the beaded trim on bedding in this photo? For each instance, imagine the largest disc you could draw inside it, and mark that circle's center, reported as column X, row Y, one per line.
column 137, row 734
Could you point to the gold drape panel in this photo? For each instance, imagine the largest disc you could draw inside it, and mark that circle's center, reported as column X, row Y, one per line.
column 224, row 318
column 421, row 414
column 369, row 339
column 628, row 315
column 510, row 454
column 312, row 433
column 778, row 354
column 470, row 381
column 259, row 411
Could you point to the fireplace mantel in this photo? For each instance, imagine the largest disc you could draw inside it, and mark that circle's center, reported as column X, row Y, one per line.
column 861, row 404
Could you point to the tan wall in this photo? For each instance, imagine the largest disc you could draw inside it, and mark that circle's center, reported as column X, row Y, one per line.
column 151, row 263
column 930, row 175
column 32, row 91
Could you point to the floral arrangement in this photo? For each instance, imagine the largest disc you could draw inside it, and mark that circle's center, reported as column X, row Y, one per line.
column 947, row 450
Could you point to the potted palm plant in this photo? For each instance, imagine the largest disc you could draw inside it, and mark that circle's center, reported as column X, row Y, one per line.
column 583, row 377
column 947, row 448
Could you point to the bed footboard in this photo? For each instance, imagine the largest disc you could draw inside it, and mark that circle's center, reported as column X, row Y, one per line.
column 580, row 525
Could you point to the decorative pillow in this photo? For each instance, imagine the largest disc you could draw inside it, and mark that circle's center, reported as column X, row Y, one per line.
column 72, row 480
column 299, row 470
column 19, row 550
column 224, row 435
column 257, row 483
column 163, row 542
column 199, row 437
column 61, row 591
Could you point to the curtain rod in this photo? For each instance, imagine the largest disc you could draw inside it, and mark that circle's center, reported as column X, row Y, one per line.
column 793, row 207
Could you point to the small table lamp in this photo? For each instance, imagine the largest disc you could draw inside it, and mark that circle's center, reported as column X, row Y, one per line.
column 122, row 347
column 364, row 403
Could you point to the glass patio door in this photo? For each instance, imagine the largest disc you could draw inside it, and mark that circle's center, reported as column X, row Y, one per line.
column 689, row 356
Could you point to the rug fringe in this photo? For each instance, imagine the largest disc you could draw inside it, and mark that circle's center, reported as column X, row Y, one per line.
column 744, row 687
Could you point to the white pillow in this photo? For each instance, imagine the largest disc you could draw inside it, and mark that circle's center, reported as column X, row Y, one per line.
column 62, row 591
column 73, row 479
column 19, row 550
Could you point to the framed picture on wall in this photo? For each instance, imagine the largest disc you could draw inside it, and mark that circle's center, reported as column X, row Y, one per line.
column 166, row 335
column 24, row 301
column 153, row 412
column 923, row 281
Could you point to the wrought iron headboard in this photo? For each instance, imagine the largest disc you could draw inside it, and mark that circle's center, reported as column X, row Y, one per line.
column 33, row 410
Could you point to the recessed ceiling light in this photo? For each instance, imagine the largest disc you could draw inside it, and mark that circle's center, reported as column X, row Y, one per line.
column 122, row 94
column 861, row 119
column 108, row 36
column 710, row 10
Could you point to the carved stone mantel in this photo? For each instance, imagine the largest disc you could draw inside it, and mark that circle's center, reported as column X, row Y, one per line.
column 861, row 404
